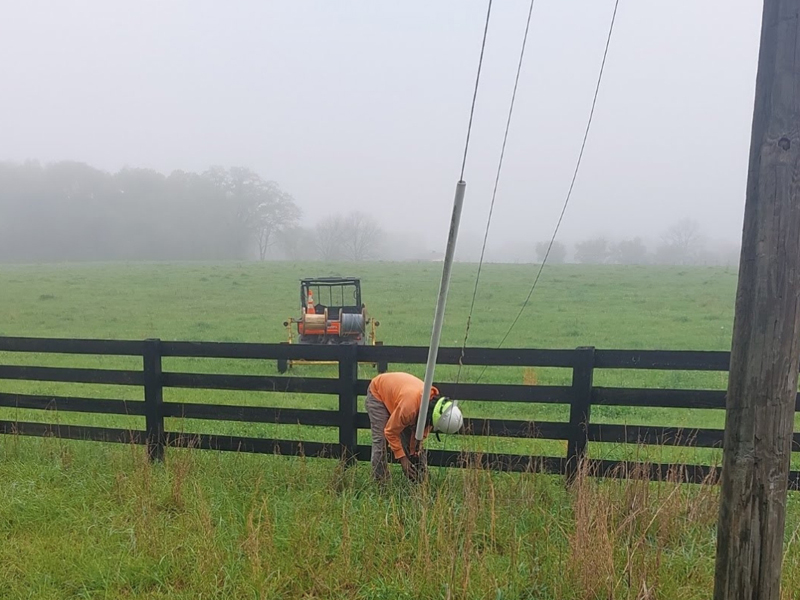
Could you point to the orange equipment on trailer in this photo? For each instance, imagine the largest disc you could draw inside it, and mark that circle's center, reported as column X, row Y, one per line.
column 332, row 313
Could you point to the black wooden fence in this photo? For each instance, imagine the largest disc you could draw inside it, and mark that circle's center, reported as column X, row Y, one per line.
column 578, row 433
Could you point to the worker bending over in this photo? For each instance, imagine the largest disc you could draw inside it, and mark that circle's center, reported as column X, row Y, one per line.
column 393, row 404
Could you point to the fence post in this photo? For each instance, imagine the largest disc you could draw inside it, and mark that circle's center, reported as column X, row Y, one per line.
column 580, row 408
column 348, row 402
column 153, row 400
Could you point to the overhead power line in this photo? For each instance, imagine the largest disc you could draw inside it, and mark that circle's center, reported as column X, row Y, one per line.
column 496, row 184
column 572, row 182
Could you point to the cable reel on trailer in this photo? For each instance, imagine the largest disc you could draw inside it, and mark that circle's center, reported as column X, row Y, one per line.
column 332, row 314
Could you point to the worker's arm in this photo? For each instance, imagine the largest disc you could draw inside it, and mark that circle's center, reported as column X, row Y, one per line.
column 415, row 447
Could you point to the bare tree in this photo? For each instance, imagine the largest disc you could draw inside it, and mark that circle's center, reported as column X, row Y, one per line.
column 274, row 213
column 682, row 244
column 355, row 237
column 262, row 208
column 362, row 236
column 330, row 237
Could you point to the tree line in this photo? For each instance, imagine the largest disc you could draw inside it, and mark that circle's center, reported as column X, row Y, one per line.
column 683, row 243
column 69, row 211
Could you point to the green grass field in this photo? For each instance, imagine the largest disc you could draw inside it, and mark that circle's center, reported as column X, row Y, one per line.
column 87, row 520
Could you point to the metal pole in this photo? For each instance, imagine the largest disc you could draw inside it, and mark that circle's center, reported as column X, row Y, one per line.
column 438, row 318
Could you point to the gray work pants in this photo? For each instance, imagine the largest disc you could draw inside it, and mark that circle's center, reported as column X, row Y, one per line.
column 378, row 417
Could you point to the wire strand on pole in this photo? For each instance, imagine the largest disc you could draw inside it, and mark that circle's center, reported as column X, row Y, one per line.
column 496, row 185
column 438, row 318
column 475, row 92
column 571, row 185
column 494, row 194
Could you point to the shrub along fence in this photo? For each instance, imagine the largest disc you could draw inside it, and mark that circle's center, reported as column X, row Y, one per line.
column 578, row 432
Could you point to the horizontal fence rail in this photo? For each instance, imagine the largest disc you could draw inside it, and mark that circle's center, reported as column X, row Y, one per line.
column 576, row 434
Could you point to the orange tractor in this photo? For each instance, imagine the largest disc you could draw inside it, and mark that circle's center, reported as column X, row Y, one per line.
column 332, row 313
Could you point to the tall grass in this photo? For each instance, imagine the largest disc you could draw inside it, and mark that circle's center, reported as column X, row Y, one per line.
column 84, row 520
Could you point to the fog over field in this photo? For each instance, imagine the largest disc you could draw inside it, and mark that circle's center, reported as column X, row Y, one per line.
column 302, row 130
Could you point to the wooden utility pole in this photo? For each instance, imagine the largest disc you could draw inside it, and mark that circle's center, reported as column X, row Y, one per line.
column 766, row 334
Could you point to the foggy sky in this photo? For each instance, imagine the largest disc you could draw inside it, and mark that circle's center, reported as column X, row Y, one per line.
column 364, row 104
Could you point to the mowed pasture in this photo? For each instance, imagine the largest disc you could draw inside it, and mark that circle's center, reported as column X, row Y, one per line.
column 664, row 308
column 89, row 520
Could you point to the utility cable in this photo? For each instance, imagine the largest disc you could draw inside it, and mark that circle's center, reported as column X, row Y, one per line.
column 475, row 92
column 496, row 185
column 494, row 193
column 475, row 97
column 571, row 185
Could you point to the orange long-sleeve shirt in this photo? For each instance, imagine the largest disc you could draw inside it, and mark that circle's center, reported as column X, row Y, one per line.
column 401, row 393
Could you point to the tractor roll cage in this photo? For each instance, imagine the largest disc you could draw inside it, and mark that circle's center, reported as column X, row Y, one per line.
column 333, row 293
